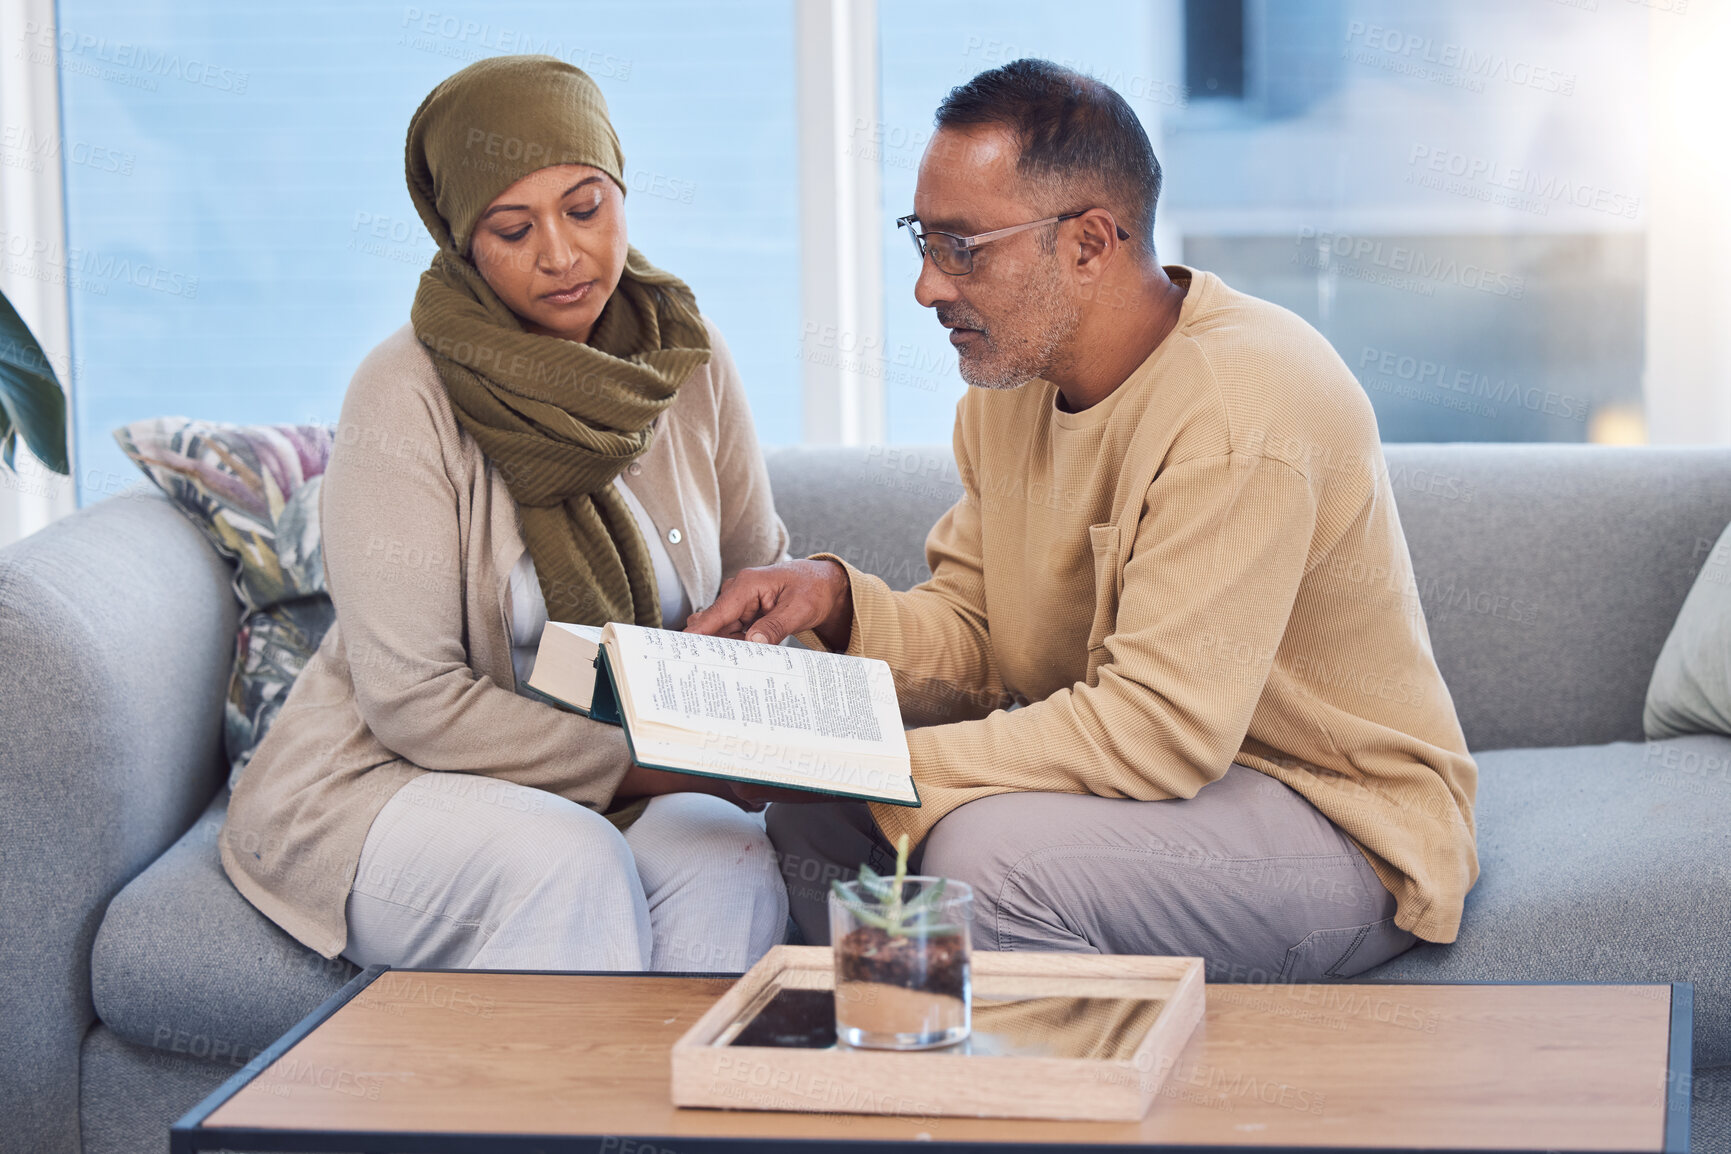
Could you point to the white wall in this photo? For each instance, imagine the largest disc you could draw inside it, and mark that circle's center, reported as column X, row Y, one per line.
column 1688, row 373
column 840, row 207
column 33, row 228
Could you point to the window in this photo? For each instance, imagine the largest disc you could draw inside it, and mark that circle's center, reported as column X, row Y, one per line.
column 1214, row 48
column 926, row 49
column 1457, row 196
column 240, row 234
column 1454, row 195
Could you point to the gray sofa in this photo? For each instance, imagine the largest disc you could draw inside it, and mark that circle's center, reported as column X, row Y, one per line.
column 134, row 979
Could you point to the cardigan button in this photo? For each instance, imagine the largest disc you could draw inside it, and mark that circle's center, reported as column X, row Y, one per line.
column 674, row 536
column 634, row 468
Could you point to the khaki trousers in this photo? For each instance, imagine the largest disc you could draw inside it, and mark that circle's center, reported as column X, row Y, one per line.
column 1247, row 875
column 463, row 871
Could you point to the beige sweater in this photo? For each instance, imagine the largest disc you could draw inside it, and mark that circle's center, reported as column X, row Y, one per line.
column 420, row 535
column 1205, row 567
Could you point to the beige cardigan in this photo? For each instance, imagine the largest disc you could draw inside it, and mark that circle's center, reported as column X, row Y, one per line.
column 420, row 535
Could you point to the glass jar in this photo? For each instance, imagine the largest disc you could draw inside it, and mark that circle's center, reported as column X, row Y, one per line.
column 902, row 975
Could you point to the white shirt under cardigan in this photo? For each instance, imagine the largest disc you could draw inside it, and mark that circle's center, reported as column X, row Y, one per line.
column 529, row 607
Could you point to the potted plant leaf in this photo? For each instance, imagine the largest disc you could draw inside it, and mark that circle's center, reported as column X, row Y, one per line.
column 32, row 403
column 902, row 978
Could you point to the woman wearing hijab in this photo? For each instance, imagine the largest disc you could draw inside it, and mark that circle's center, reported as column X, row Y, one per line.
column 557, row 434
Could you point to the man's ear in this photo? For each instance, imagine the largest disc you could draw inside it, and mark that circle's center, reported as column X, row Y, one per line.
column 1098, row 243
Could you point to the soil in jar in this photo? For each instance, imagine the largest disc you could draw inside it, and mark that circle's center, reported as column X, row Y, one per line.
column 936, row 964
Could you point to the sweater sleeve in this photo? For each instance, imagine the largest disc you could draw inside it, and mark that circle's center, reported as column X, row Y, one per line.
column 751, row 532
column 1219, row 552
column 392, row 514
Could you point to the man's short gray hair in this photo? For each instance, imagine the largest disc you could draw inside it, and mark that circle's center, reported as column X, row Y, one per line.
column 1077, row 137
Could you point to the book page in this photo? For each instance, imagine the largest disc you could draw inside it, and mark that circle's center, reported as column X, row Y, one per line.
column 565, row 663
column 589, row 633
column 718, row 686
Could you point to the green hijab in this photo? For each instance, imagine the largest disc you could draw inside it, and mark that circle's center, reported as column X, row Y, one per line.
column 558, row 419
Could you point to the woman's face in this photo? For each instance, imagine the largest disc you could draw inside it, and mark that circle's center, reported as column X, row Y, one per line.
column 552, row 246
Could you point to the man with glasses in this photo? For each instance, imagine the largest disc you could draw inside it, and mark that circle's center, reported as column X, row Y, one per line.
column 1172, row 686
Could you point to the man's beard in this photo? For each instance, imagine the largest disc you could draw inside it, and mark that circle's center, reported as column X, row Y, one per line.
column 1016, row 351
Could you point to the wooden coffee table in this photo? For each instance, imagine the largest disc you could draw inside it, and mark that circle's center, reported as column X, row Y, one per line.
column 447, row 1061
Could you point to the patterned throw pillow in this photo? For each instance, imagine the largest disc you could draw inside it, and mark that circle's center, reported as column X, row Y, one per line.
column 254, row 492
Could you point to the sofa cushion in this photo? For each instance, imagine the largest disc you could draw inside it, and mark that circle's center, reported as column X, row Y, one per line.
column 183, row 963
column 254, row 493
column 1600, row 863
column 1550, row 575
column 871, row 505
column 130, row 1095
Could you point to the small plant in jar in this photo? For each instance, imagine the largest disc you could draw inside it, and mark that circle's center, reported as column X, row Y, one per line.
column 902, row 979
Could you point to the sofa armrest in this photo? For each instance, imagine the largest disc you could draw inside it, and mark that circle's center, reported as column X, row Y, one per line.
column 117, row 630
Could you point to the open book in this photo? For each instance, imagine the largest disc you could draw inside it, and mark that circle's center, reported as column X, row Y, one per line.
column 775, row 715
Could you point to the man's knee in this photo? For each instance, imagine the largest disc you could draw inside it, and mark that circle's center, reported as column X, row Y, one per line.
column 969, row 845
column 1031, row 890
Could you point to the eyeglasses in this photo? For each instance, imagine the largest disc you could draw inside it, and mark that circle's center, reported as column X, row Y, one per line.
column 954, row 254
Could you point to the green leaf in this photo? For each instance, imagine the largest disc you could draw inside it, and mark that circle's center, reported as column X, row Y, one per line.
column 881, row 921
column 32, row 403
column 858, row 908
column 874, row 884
column 936, row 929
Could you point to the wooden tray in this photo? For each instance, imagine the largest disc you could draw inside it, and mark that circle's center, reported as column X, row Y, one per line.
column 1066, row 1036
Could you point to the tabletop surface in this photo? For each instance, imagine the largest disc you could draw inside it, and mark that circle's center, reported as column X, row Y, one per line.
column 1554, row 1067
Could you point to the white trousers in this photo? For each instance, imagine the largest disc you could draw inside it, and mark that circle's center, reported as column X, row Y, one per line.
column 461, row 871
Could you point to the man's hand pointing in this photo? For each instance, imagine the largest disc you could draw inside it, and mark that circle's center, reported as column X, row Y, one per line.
column 776, row 601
